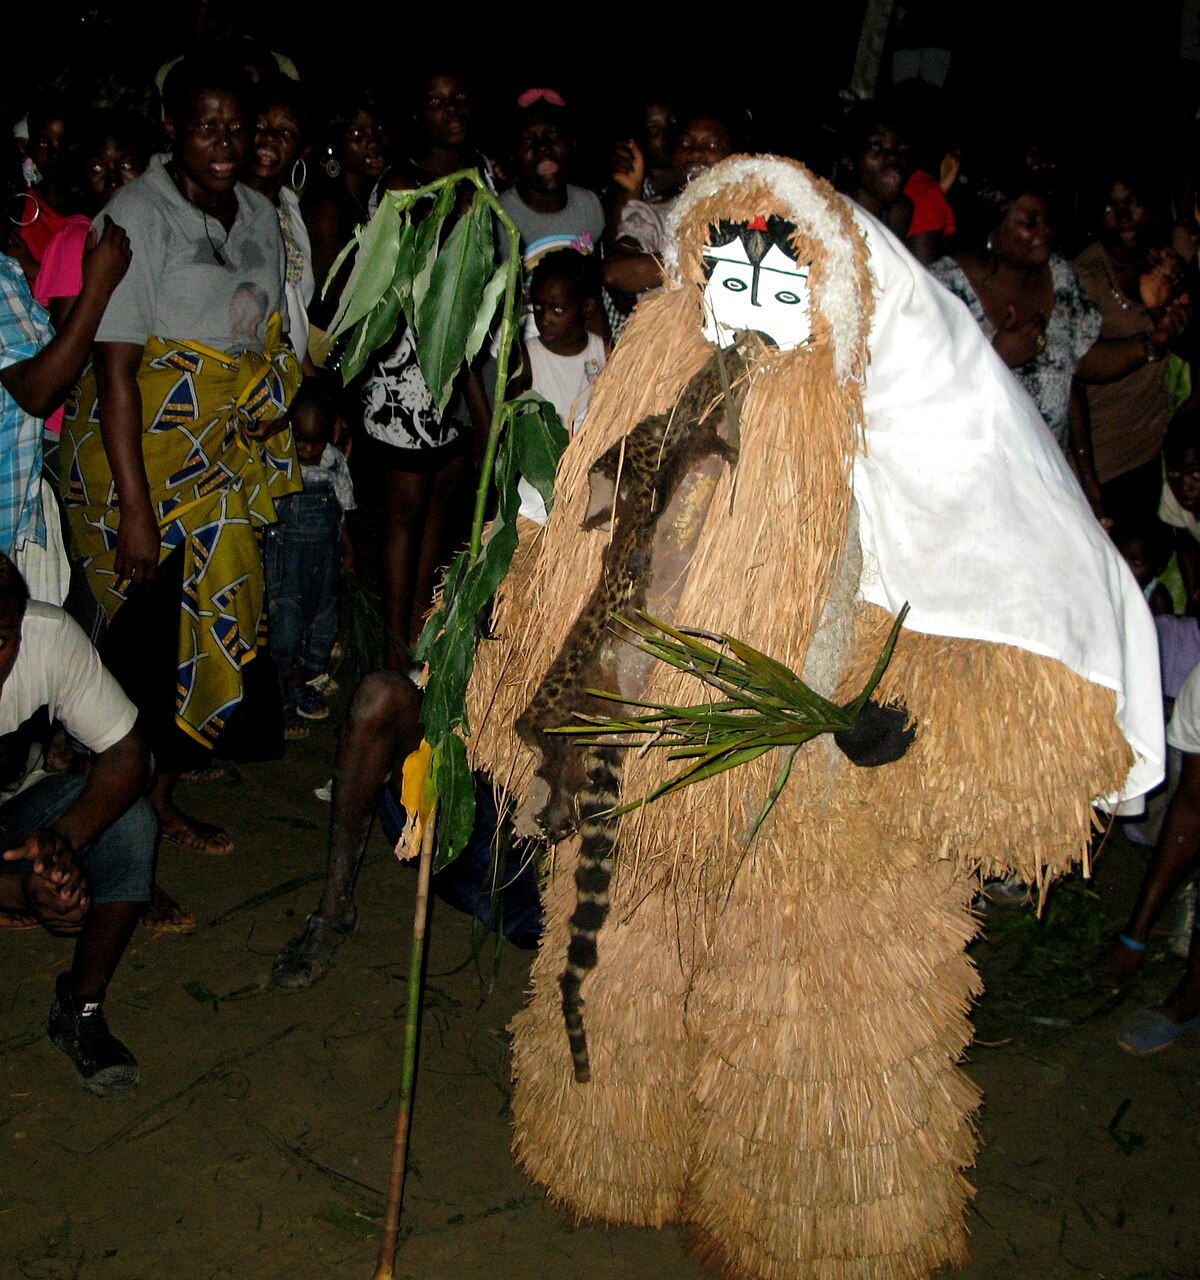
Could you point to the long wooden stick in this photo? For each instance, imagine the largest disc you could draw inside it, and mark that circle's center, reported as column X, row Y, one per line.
column 385, row 1267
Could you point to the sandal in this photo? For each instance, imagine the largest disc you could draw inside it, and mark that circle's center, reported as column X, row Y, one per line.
column 214, row 773
column 1149, row 1030
column 200, row 837
column 294, row 729
column 17, row 920
column 164, row 915
column 305, row 960
column 309, row 703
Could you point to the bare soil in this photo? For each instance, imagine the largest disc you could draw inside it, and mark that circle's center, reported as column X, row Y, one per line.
column 258, row 1144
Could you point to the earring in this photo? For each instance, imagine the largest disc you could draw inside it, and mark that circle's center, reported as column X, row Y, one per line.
column 37, row 213
column 331, row 165
column 990, row 245
column 298, row 180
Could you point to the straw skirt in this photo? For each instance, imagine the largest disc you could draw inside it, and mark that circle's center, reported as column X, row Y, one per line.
column 775, row 1031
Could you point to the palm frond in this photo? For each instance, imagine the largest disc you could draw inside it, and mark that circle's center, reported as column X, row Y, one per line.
column 760, row 705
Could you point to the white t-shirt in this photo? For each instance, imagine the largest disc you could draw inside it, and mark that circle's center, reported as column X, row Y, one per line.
column 1183, row 731
column 567, row 381
column 57, row 668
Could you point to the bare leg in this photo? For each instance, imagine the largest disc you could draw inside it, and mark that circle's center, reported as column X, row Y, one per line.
column 407, row 500
column 101, row 943
column 383, row 727
column 1174, row 857
column 445, row 529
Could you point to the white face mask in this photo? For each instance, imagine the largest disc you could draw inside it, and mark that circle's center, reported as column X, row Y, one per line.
column 777, row 308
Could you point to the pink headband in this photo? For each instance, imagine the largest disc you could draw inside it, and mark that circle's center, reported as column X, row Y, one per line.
column 549, row 96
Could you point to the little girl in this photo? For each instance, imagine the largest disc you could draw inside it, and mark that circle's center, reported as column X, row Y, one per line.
column 565, row 359
column 303, row 554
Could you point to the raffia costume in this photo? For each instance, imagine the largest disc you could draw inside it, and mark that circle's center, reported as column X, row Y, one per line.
column 774, row 1026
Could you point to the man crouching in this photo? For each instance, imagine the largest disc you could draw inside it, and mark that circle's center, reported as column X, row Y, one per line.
column 78, row 847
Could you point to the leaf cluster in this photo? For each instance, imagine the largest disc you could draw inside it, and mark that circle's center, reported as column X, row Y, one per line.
column 756, row 704
column 530, row 445
column 441, row 277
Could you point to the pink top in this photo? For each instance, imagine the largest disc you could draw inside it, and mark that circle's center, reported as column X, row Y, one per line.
column 38, row 223
column 61, row 276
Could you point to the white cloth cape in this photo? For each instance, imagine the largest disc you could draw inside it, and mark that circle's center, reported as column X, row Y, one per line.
column 969, row 512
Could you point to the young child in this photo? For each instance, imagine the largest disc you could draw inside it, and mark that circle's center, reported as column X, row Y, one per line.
column 565, row 358
column 304, row 551
column 1145, row 547
column 541, row 201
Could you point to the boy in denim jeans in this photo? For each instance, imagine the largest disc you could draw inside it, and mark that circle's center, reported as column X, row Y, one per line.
column 304, row 552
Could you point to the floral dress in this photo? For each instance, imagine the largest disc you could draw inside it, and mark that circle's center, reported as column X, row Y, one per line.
column 1071, row 332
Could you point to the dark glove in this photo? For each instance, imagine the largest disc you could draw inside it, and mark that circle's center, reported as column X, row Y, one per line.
column 880, row 736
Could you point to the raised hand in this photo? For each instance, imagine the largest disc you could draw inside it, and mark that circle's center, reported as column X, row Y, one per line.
column 106, row 261
column 628, row 168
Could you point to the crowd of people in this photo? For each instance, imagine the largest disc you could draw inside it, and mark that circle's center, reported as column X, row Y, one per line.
column 179, row 456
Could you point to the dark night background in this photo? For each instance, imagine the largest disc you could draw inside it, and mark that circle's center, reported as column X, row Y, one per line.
column 1087, row 78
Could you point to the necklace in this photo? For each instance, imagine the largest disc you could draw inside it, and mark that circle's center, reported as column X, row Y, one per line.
column 1118, row 297
column 216, row 249
column 218, row 257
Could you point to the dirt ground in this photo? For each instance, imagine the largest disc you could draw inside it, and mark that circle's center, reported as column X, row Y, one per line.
column 258, row 1144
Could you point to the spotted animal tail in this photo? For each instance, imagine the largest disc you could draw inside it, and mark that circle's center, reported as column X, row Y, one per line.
column 593, row 875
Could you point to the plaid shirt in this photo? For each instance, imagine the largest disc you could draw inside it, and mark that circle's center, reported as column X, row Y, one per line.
column 24, row 331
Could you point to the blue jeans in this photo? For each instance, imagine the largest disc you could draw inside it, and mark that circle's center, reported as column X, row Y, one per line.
column 118, row 862
column 302, row 557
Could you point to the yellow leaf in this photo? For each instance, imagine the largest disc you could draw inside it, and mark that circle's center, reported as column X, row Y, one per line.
column 417, row 798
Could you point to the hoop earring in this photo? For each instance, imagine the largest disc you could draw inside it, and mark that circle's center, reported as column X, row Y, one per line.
column 298, row 182
column 37, row 213
column 331, row 165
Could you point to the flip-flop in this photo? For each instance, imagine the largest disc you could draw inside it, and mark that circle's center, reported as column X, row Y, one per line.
column 199, row 836
column 304, row 961
column 214, row 773
column 1149, row 1030
column 312, row 705
column 164, row 915
column 17, row 920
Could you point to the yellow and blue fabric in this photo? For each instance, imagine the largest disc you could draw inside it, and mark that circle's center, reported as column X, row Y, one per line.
column 213, row 488
column 24, row 331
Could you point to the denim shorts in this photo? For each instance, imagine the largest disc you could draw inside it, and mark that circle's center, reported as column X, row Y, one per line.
column 118, row 862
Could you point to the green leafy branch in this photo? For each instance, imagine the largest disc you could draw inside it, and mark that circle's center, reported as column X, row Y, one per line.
column 760, row 705
column 447, row 287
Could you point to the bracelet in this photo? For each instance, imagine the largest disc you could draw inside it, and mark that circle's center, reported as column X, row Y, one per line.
column 1129, row 942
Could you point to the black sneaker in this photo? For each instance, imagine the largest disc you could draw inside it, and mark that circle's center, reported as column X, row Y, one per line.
column 105, row 1066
